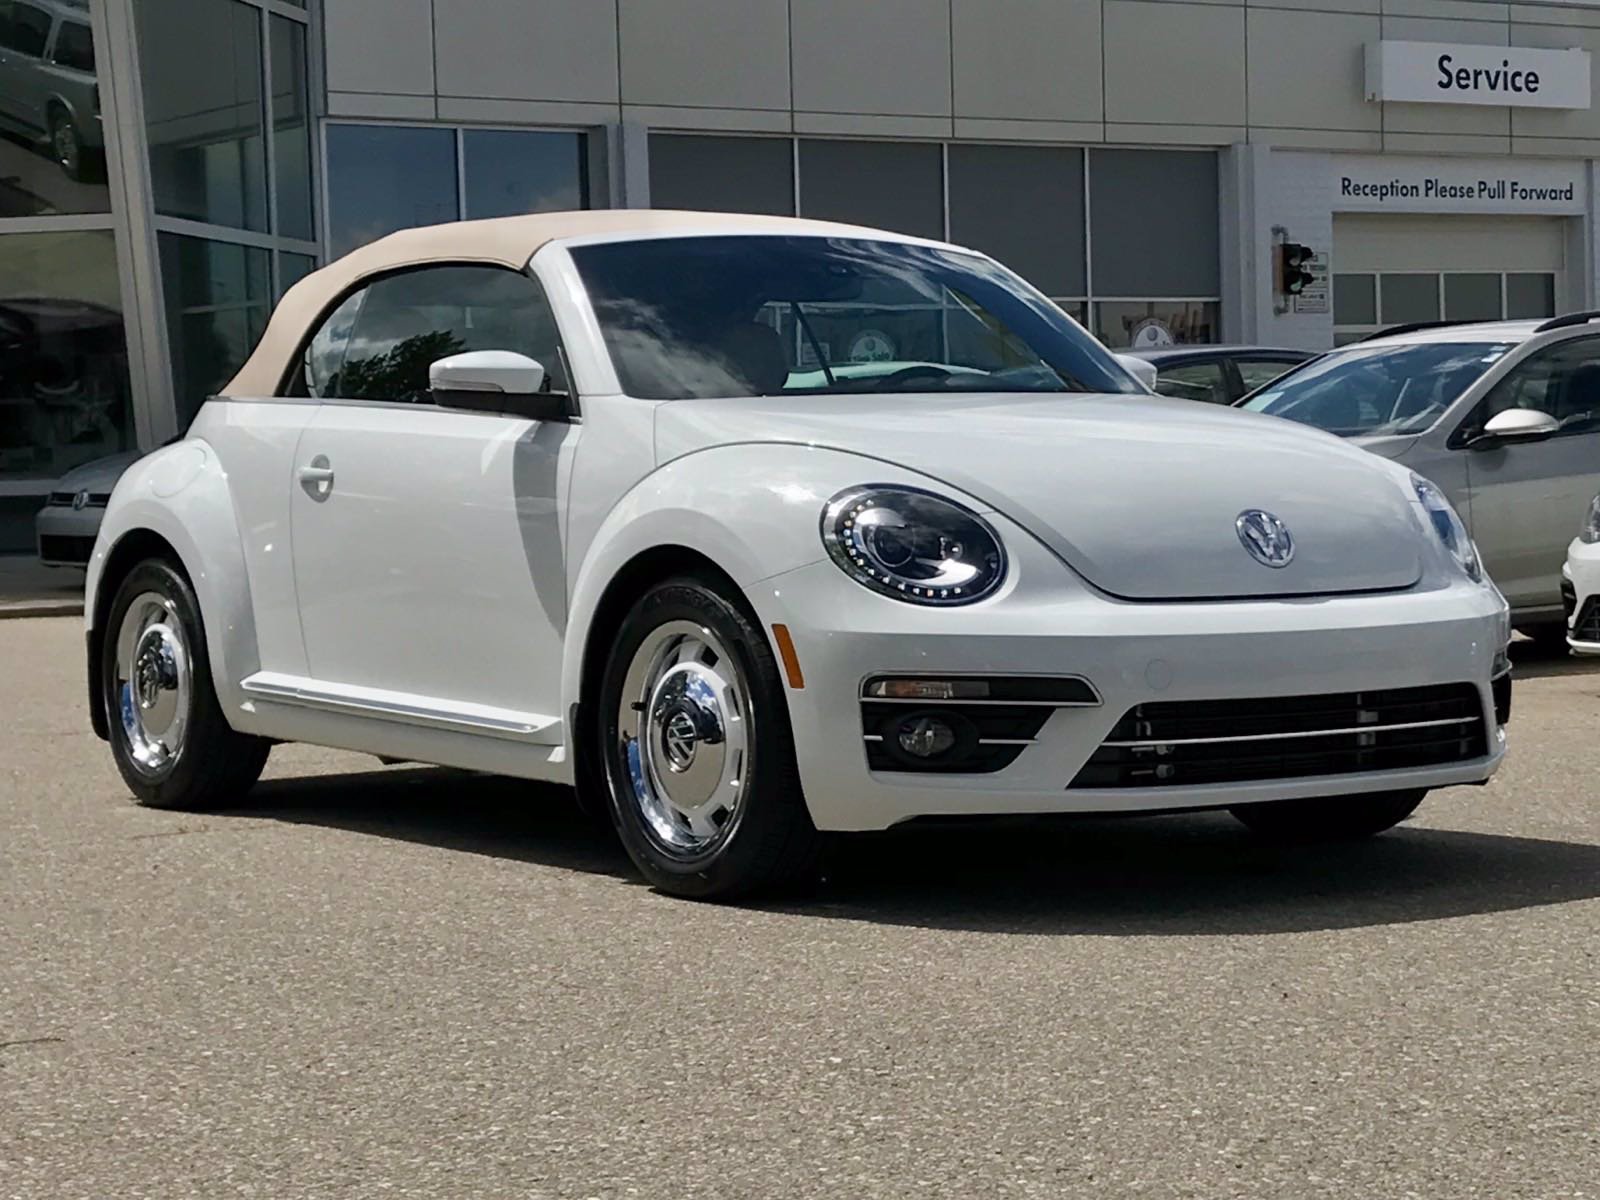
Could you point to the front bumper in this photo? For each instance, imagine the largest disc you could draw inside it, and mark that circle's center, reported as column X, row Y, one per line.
column 1580, row 596
column 65, row 535
column 1132, row 653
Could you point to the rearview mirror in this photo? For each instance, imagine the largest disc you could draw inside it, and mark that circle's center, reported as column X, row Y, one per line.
column 1141, row 369
column 1515, row 425
column 495, row 381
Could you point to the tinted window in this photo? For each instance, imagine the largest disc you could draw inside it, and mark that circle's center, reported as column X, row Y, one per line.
column 1153, row 223
column 722, row 174
column 24, row 28
column 218, row 295
column 201, row 73
column 1195, row 381
column 1563, row 381
column 743, row 316
column 510, row 171
column 1024, row 206
column 1373, row 390
column 379, row 344
column 1254, row 373
column 387, row 177
column 291, row 129
column 74, row 47
column 886, row 185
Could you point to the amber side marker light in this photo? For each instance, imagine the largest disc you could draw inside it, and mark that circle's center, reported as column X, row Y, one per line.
column 791, row 660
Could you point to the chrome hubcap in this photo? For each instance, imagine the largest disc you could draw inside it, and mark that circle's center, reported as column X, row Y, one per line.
column 66, row 146
column 683, row 729
column 154, row 683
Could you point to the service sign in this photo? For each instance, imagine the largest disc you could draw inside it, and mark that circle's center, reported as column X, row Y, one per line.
column 1446, row 73
column 1394, row 183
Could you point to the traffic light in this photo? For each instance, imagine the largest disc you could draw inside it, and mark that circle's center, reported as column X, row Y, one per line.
column 1294, row 268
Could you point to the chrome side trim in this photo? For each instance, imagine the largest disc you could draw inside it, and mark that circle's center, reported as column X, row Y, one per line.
column 410, row 710
column 983, row 741
column 1302, row 733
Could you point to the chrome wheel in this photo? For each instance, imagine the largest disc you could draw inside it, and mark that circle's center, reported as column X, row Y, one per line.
column 153, row 688
column 683, row 738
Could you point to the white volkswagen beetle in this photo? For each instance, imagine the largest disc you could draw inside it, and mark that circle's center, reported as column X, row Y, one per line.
column 597, row 498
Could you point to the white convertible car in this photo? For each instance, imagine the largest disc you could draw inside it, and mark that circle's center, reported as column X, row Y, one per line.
column 603, row 498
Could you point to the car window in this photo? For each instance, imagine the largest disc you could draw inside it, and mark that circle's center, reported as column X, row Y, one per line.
column 1194, row 381
column 74, row 47
column 1563, row 380
column 1258, row 372
column 1369, row 390
column 380, row 341
column 24, row 28
column 704, row 317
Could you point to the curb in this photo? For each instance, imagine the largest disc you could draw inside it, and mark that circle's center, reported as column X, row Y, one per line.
column 40, row 608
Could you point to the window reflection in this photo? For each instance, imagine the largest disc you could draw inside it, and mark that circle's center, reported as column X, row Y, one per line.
column 203, row 109
column 511, row 171
column 387, row 177
column 52, row 151
column 218, row 296
column 291, row 133
column 64, row 397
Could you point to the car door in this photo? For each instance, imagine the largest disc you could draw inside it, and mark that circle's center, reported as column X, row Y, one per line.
column 427, row 541
column 1527, row 500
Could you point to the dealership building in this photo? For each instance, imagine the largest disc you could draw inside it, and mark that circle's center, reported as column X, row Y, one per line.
column 169, row 167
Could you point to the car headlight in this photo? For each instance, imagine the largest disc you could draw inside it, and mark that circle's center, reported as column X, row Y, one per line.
column 1448, row 526
column 913, row 545
column 1591, row 523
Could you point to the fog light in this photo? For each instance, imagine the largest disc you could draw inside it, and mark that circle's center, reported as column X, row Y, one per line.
column 925, row 736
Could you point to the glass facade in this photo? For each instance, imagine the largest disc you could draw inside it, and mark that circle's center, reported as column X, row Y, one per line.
column 64, row 392
column 52, row 154
column 218, row 297
column 1050, row 213
column 387, row 177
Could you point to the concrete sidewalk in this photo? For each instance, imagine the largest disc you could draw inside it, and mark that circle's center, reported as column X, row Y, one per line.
column 30, row 590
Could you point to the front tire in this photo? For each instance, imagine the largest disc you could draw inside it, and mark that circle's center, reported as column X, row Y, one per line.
column 698, row 756
column 1337, row 818
column 170, row 740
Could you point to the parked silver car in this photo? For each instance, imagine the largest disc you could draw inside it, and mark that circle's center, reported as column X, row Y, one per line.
column 47, row 80
column 1503, row 415
column 67, row 525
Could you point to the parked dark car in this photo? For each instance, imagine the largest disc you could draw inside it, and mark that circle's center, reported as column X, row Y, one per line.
column 1217, row 374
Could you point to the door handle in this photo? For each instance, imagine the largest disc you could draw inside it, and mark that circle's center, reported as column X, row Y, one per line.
column 316, row 477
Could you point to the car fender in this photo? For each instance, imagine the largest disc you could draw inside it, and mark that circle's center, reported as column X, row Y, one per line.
column 180, row 493
column 753, row 509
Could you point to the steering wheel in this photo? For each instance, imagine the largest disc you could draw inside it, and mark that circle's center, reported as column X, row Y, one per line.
column 921, row 371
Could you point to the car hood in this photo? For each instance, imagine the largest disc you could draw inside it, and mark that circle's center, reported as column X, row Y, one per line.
column 1139, row 495
column 101, row 475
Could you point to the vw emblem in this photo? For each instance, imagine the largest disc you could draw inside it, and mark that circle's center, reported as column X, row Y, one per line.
column 80, row 501
column 679, row 739
column 1265, row 537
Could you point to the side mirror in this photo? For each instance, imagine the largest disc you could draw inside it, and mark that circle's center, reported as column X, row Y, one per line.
column 1515, row 425
column 1141, row 369
column 495, row 381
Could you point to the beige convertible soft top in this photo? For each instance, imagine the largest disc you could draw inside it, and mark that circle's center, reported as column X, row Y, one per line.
column 504, row 241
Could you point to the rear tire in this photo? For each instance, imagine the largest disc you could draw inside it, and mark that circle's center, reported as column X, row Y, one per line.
column 1335, row 818
column 170, row 740
column 696, row 749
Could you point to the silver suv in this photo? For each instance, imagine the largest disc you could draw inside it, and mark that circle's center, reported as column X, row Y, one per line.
column 1503, row 415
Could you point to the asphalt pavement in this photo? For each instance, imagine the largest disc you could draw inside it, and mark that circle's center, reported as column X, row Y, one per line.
column 378, row 981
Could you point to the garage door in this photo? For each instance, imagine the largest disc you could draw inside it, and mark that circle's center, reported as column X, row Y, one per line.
column 1391, row 269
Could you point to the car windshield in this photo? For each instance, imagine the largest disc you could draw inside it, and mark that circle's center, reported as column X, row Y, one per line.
column 707, row 317
column 1371, row 391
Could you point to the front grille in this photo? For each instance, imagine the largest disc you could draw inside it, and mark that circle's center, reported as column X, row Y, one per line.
column 1587, row 627
column 1185, row 743
column 61, row 549
column 67, row 499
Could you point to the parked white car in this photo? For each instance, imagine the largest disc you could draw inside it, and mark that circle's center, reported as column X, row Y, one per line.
column 562, row 497
column 1580, row 585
